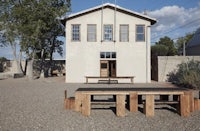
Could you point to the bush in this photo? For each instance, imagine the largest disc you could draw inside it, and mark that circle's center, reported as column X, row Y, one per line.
column 188, row 75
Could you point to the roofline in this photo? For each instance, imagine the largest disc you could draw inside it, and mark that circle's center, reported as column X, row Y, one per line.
column 111, row 6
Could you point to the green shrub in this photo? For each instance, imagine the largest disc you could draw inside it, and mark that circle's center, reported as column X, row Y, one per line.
column 188, row 75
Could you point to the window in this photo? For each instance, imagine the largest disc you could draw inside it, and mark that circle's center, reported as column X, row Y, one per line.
column 108, row 32
column 140, row 30
column 75, row 32
column 124, row 33
column 103, row 65
column 91, row 33
column 107, row 55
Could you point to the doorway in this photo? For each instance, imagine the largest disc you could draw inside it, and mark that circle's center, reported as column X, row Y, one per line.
column 108, row 68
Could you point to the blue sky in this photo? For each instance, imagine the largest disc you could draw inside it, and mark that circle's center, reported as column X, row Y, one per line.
column 175, row 17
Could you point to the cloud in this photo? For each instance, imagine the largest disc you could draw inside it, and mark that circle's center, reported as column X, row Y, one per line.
column 175, row 21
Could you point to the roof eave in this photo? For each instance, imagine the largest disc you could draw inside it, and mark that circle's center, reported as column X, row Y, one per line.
column 120, row 9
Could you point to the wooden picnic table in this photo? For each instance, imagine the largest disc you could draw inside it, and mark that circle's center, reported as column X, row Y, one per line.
column 83, row 99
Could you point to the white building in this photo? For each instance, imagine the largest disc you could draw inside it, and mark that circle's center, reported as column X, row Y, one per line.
column 108, row 41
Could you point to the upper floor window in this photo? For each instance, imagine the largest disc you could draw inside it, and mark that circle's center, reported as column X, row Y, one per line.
column 108, row 32
column 91, row 33
column 76, row 32
column 124, row 33
column 140, row 33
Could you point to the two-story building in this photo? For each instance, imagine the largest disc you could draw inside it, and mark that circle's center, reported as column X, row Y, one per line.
column 108, row 41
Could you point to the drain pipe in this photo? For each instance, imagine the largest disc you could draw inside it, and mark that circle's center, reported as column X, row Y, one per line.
column 115, row 22
column 147, row 60
column 102, row 22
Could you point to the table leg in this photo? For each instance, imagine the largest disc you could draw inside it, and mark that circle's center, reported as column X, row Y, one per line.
column 133, row 102
column 184, row 105
column 197, row 104
column 149, row 106
column 86, row 106
column 120, row 106
column 191, row 101
column 78, row 101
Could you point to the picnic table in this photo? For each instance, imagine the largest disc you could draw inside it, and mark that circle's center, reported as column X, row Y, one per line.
column 109, row 79
column 83, row 99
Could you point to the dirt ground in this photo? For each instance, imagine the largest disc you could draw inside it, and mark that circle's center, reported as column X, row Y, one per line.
column 39, row 105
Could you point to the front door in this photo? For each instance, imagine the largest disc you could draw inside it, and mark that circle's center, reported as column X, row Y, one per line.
column 108, row 68
column 104, row 71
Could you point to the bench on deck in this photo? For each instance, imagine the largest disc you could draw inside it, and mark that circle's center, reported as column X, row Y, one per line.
column 109, row 80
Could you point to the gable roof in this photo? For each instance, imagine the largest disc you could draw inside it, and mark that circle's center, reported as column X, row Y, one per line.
column 111, row 6
column 195, row 41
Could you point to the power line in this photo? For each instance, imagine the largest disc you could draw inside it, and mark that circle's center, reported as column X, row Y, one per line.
column 166, row 32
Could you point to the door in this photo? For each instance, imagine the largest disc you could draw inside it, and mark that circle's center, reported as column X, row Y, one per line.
column 108, row 68
column 112, row 68
column 104, row 68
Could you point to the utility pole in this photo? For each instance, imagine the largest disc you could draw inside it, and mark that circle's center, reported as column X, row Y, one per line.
column 184, row 48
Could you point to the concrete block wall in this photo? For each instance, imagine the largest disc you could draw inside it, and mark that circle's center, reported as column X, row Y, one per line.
column 167, row 64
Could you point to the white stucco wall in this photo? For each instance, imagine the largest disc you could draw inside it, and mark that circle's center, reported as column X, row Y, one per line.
column 83, row 58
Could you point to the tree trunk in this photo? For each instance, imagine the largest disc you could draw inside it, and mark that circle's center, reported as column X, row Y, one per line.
column 16, row 62
column 51, row 57
column 30, row 69
column 42, row 73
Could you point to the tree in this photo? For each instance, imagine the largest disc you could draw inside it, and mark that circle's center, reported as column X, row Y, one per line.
column 8, row 31
column 179, row 43
column 164, row 47
column 36, row 24
column 169, row 44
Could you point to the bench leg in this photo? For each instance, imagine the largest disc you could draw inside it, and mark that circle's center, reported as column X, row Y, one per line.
column 149, row 106
column 133, row 102
column 184, row 105
column 86, row 80
column 86, row 106
column 132, row 80
column 120, row 105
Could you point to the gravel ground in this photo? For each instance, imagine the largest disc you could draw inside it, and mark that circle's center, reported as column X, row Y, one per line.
column 38, row 105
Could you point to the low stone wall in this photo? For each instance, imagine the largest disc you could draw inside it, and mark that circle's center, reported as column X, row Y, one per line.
column 167, row 64
column 9, row 68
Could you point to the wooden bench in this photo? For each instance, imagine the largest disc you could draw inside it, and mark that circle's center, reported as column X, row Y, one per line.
column 69, row 103
column 109, row 79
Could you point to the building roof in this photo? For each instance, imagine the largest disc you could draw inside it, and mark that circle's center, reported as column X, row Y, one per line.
column 195, row 41
column 111, row 6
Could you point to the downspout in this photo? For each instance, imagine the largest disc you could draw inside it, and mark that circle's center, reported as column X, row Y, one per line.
column 102, row 22
column 115, row 23
column 147, row 62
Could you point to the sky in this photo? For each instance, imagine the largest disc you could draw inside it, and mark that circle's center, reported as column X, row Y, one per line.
column 175, row 18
